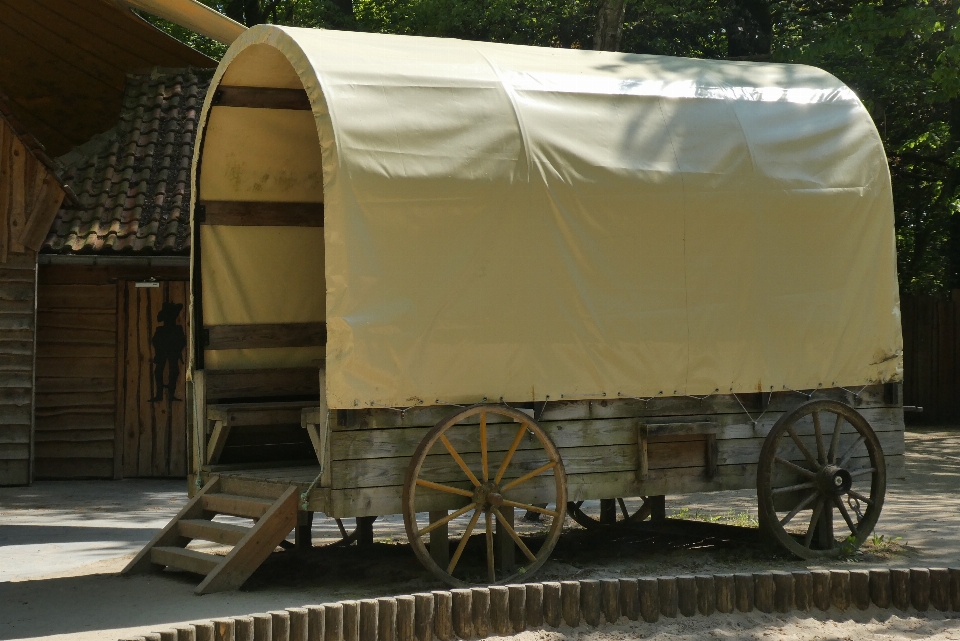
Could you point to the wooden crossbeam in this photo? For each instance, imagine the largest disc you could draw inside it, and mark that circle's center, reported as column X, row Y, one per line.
column 265, row 336
column 261, row 98
column 262, row 214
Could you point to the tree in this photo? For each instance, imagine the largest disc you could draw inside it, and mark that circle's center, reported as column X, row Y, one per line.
column 610, row 25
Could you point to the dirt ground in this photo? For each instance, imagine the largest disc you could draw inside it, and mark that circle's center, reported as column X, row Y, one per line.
column 64, row 542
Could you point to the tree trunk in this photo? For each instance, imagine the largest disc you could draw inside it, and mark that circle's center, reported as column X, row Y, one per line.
column 610, row 25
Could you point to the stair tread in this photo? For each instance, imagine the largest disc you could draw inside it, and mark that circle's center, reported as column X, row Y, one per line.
column 236, row 505
column 213, row 531
column 185, row 559
column 217, row 525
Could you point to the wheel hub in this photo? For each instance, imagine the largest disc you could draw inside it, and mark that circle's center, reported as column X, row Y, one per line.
column 834, row 480
column 488, row 495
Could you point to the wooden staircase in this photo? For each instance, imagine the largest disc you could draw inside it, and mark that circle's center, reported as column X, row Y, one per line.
column 273, row 509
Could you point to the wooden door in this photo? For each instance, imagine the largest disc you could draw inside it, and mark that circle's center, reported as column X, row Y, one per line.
column 152, row 367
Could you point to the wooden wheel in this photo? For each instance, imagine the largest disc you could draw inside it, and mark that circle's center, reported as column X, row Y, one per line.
column 821, row 457
column 477, row 464
column 609, row 512
column 355, row 535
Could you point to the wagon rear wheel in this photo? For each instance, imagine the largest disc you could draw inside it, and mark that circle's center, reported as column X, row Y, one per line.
column 609, row 512
column 476, row 464
column 819, row 460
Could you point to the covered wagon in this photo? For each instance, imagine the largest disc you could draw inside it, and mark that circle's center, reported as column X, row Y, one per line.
column 458, row 279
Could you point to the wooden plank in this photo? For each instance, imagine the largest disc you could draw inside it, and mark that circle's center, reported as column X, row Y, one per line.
column 103, row 400
column 14, row 472
column 258, row 413
column 236, row 505
column 266, row 336
column 16, row 291
column 275, row 524
column 6, row 186
column 261, row 214
column 71, row 420
column 74, row 449
column 134, row 383
column 54, row 386
column 16, row 363
column 91, row 297
column 101, row 323
column 184, row 559
column 73, row 468
column 43, row 208
column 258, row 384
column 221, row 431
column 213, row 531
column 15, row 451
column 17, row 211
column 71, row 368
column 261, row 98
column 75, row 350
column 15, row 434
column 60, row 274
column 177, row 441
column 77, row 436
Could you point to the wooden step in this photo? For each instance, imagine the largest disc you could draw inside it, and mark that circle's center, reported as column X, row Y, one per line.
column 213, row 531
column 258, row 489
column 184, row 559
column 235, row 505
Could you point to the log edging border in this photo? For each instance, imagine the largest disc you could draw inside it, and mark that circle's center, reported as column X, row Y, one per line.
column 478, row 613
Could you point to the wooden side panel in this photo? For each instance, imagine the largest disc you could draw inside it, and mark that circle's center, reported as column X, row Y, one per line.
column 76, row 379
column 153, row 327
column 17, row 317
column 931, row 349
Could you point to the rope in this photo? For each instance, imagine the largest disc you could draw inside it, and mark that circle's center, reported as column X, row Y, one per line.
column 755, row 421
column 305, row 496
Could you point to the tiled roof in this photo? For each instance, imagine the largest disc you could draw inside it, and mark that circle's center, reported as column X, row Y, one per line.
column 133, row 181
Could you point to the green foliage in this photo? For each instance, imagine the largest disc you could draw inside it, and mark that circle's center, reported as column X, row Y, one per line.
column 902, row 57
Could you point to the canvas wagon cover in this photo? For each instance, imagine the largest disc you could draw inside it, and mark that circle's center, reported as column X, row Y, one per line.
column 533, row 223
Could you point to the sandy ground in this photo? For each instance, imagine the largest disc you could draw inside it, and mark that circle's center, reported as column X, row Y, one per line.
column 61, row 545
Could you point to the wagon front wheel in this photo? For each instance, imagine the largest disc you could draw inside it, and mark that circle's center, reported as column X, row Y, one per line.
column 475, row 468
column 820, row 460
column 608, row 512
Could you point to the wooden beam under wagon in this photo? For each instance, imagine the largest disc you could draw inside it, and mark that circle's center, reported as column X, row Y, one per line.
column 261, row 98
column 265, row 336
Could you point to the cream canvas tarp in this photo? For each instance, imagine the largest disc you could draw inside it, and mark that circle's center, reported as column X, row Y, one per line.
column 529, row 223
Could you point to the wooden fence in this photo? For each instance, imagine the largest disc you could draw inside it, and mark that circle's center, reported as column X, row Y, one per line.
column 931, row 351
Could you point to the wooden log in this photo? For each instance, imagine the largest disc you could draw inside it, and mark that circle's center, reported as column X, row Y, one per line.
column 687, row 595
column 189, row 633
column 315, row 623
column 223, row 630
column 880, row 587
column 440, row 539
column 351, row 620
column 386, row 619
column 920, row 589
column 629, row 597
column 263, row 628
column 300, row 625
column 725, row 590
column 406, row 618
column 443, row 615
column 480, row 611
column 534, row 605
column 667, row 596
column 764, row 591
column 955, row 589
column 204, row 630
column 243, row 629
column 155, row 636
column 423, row 616
column 369, row 618
column 281, row 626
column 552, row 611
column 900, row 588
column 646, row 603
column 744, row 592
column 610, row 599
column 570, row 602
column 940, row 589
column 517, row 604
column 784, row 591
column 706, row 595
column 821, row 589
column 461, row 616
column 860, row 589
column 590, row 601
column 171, row 635
column 499, row 610
column 840, row 589
column 332, row 622
column 802, row 590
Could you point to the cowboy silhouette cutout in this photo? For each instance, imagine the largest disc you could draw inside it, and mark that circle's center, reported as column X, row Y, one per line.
column 169, row 342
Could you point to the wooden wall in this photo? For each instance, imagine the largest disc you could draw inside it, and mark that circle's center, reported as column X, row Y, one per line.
column 931, row 354
column 17, row 295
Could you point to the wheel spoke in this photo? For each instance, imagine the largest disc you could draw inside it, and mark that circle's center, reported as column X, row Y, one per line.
column 849, row 453
column 846, row 515
column 835, row 439
column 623, row 508
column 532, row 508
column 803, row 448
column 456, row 457
column 860, row 497
column 433, row 526
column 483, row 446
column 795, row 467
column 817, row 511
column 491, row 565
column 862, row 471
column 513, row 535
column 463, row 541
column 529, row 475
column 793, row 488
column 343, row 530
column 818, row 431
column 804, row 503
column 513, row 448
column 444, row 488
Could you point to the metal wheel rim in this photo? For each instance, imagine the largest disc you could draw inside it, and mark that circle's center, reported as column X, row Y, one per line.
column 414, row 533
column 784, row 428
column 586, row 521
